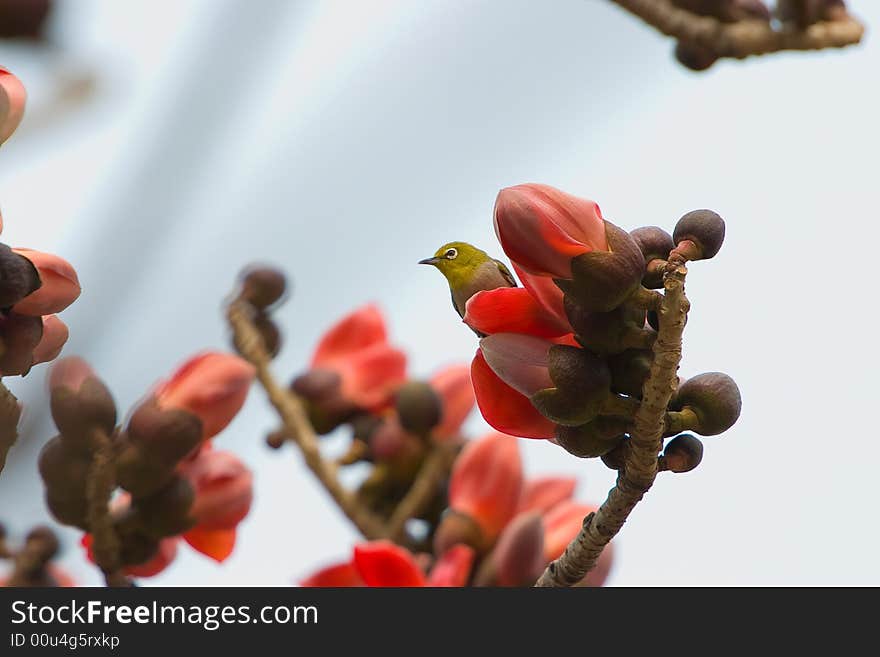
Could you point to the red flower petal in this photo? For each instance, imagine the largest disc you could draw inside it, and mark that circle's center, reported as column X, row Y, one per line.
column 362, row 328
column 12, row 101
column 371, row 376
column 511, row 310
column 521, row 361
column 546, row 293
column 486, row 482
column 453, row 384
column 453, row 568
column 215, row 543
column 382, row 563
column 561, row 524
column 544, row 493
column 503, row 407
column 339, row 575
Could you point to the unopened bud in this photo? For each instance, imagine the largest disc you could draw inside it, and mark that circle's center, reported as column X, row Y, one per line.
column 704, row 229
column 167, row 512
column 594, row 438
column 81, row 404
column 655, row 244
column 683, row 453
column 714, row 398
column 18, row 277
column 694, row 57
column 20, row 335
column 457, row 528
column 419, row 407
column 629, row 371
column 262, row 286
column 519, row 553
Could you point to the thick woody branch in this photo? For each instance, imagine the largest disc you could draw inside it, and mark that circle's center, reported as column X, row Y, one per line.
column 433, row 471
column 100, row 485
column 10, row 412
column 743, row 38
column 297, row 427
column 646, row 441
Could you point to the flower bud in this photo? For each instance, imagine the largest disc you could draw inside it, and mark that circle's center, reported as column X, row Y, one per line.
column 704, row 230
column 139, row 474
column 486, row 482
column 391, row 442
column 212, row 386
column 519, row 554
column 611, row 332
column 683, row 453
column 594, row 438
column 269, row 333
column 64, row 468
column 262, row 286
column 18, row 277
column 419, row 407
column 629, row 371
column 60, row 285
column 165, row 553
column 223, row 488
column 12, row 101
column 19, row 336
column 655, row 244
column 321, row 389
column 55, row 334
column 602, row 280
column 616, row 458
column 80, row 402
column 694, row 56
column 459, row 529
column 582, row 382
column 167, row 512
column 714, row 398
column 163, row 436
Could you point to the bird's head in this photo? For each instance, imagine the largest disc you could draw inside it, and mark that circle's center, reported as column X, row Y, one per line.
column 457, row 261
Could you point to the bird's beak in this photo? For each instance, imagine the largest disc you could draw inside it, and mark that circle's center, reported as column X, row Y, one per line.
column 429, row 261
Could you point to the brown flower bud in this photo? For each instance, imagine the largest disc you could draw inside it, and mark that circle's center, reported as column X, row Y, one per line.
column 683, row 453
column 616, row 458
column 593, row 439
column 269, row 332
column 629, row 371
column 694, row 57
column 519, row 552
column 582, row 383
column 81, row 404
column 705, row 229
column 714, row 398
column 602, row 280
column 458, row 528
column 167, row 512
column 18, row 277
column 42, row 542
column 64, row 468
column 262, row 286
column 164, row 436
column 419, row 407
column 655, row 244
column 321, row 390
column 139, row 474
column 19, row 335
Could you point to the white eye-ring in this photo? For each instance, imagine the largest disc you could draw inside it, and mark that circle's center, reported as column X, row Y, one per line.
column 451, row 254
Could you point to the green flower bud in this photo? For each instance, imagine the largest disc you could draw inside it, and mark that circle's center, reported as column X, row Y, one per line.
column 602, row 280
column 419, row 407
column 714, row 398
column 262, row 286
column 655, row 244
column 582, row 383
column 594, row 438
column 611, row 332
column 683, row 453
column 704, row 229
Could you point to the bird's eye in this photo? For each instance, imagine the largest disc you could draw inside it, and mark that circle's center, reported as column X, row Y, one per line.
column 451, row 254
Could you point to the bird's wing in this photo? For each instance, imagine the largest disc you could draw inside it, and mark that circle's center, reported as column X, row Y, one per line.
column 506, row 273
column 455, row 304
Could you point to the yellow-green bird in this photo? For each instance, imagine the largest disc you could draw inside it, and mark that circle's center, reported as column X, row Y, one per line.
column 468, row 271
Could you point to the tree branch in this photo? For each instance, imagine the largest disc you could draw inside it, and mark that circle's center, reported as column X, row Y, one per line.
column 100, row 485
column 646, row 441
column 297, row 427
column 743, row 38
column 433, row 471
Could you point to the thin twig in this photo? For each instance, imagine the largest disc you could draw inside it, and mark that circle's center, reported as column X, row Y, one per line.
column 10, row 412
column 743, row 38
column 424, row 488
column 296, row 423
column 100, row 485
column 646, row 441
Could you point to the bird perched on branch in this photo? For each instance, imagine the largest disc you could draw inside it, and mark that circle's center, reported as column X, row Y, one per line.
column 468, row 271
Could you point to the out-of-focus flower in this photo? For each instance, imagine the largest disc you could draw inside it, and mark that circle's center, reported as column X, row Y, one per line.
column 217, row 544
column 357, row 349
column 542, row 228
column 12, row 101
column 486, row 482
column 212, row 386
column 60, row 284
column 453, row 568
column 382, row 563
column 543, row 493
column 561, row 525
column 223, row 488
column 453, row 385
column 337, row 575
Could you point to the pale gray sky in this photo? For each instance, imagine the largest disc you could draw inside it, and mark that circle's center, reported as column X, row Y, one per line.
column 344, row 141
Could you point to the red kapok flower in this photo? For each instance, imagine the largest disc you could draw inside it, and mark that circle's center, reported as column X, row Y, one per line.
column 486, row 482
column 357, row 349
column 60, row 285
column 160, row 561
column 512, row 310
column 544, row 493
column 453, row 384
column 215, row 543
column 542, row 228
column 223, row 488
column 337, row 575
column 453, row 568
column 55, row 334
column 212, row 386
column 382, row 563
column 12, row 101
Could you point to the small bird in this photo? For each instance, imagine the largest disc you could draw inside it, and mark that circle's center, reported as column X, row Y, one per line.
column 468, row 271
